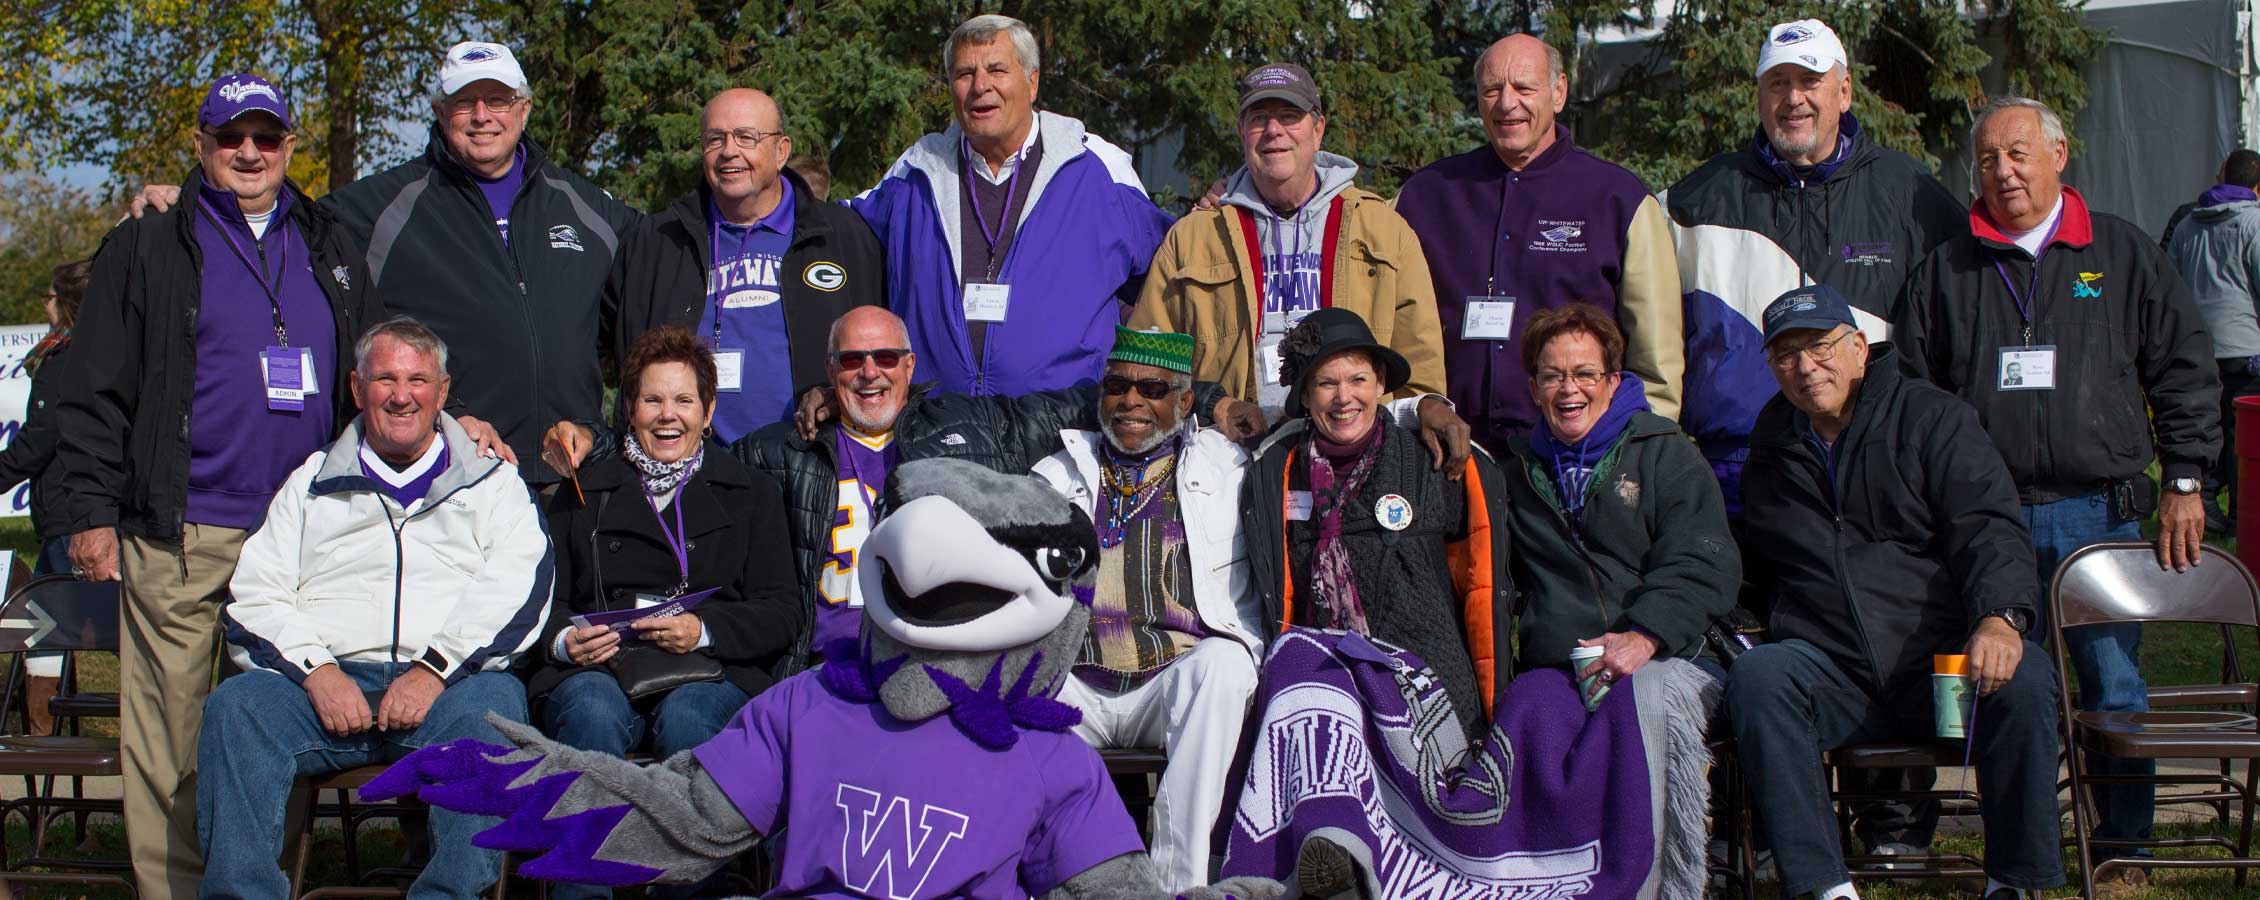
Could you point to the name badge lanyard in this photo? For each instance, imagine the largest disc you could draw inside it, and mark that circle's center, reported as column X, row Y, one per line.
column 1011, row 188
column 268, row 286
column 1498, row 227
column 2032, row 283
column 721, row 281
column 677, row 540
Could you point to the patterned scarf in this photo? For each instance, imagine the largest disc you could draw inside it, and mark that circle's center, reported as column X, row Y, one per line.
column 1331, row 579
column 55, row 340
column 661, row 477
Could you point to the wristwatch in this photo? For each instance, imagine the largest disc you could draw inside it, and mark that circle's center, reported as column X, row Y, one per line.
column 2018, row 619
column 2184, row 485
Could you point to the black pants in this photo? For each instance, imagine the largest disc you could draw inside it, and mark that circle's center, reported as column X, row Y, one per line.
column 2235, row 382
column 1789, row 704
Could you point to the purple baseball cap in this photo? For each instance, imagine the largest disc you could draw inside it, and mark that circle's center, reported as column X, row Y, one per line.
column 233, row 95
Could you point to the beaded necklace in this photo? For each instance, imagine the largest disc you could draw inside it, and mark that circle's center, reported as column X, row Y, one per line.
column 1129, row 489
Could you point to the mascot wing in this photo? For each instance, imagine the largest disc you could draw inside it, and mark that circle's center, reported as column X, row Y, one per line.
column 578, row 813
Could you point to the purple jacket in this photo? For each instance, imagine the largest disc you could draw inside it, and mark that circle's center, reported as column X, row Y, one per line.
column 1568, row 227
column 1082, row 247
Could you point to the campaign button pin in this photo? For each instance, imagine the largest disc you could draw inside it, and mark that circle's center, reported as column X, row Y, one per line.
column 1394, row 511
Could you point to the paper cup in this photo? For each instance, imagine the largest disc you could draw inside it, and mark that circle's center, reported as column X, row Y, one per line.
column 1589, row 687
column 1951, row 694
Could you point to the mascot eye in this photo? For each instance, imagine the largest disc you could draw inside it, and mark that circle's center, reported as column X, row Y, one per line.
column 1057, row 563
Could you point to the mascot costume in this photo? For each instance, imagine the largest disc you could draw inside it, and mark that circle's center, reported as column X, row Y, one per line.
column 927, row 761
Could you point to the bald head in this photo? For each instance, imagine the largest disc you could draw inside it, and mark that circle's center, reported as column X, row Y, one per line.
column 870, row 367
column 742, row 134
column 1519, row 89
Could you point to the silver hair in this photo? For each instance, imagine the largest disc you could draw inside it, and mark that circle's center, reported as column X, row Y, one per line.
column 1554, row 64
column 985, row 28
column 2051, row 124
column 406, row 330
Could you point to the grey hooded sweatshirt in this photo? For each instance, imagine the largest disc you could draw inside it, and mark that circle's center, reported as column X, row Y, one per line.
column 2217, row 251
column 1291, row 243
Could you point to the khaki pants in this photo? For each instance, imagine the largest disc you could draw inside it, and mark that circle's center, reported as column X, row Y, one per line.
column 167, row 650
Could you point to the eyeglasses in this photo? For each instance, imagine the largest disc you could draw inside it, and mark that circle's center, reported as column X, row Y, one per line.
column 462, row 106
column 1817, row 351
column 1149, row 388
column 887, row 358
column 1258, row 119
column 266, row 141
column 745, row 137
column 1550, row 379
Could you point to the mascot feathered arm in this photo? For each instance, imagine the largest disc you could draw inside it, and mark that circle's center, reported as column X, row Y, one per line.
column 576, row 812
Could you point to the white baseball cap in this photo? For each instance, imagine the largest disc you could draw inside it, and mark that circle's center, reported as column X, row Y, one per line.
column 478, row 61
column 1805, row 42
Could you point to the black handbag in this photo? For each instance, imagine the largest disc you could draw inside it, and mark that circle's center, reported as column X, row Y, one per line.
column 643, row 669
column 1732, row 634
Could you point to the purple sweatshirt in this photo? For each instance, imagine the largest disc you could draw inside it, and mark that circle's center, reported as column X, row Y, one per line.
column 1556, row 232
column 239, row 451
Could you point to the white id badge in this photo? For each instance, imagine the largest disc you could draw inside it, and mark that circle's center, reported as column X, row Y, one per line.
column 987, row 302
column 2027, row 369
column 306, row 366
column 1270, row 358
column 1488, row 319
column 1298, row 506
column 729, row 368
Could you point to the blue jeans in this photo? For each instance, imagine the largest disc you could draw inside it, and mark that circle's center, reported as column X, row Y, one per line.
column 588, row 711
column 261, row 735
column 2105, row 659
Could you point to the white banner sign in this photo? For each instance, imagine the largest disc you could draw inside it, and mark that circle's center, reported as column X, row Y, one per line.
column 15, row 395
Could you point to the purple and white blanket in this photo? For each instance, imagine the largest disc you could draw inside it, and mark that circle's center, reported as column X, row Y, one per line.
column 1356, row 743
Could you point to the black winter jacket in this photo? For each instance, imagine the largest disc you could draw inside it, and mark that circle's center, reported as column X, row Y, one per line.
column 659, row 277
column 609, row 548
column 1008, row 434
column 520, row 321
column 1652, row 549
column 1898, row 553
column 123, row 413
column 2133, row 360
column 30, row 455
column 1859, row 225
column 1453, row 618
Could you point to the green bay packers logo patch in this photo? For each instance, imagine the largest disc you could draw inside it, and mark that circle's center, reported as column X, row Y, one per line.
column 824, row 276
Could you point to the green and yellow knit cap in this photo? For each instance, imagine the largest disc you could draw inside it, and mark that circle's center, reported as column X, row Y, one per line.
column 1163, row 349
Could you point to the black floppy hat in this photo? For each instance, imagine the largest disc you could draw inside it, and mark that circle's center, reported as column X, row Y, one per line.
column 1324, row 333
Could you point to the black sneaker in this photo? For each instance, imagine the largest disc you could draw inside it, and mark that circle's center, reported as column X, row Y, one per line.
column 2009, row 893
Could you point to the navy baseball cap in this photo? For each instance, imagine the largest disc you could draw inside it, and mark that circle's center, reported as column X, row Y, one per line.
column 232, row 96
column 1815, row 306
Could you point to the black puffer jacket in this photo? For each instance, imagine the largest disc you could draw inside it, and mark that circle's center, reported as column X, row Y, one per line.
column 1008, row 434
column 1896, row 555
column 1651, row 551
column 1414, row 597
column 609, row 548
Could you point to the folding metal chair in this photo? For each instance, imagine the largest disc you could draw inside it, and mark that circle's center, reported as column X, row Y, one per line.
column 59, row 613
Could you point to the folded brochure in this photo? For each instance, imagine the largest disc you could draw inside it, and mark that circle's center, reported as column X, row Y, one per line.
column 620, row 619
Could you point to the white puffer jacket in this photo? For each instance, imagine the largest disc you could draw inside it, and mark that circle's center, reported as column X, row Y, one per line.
column 458, row 581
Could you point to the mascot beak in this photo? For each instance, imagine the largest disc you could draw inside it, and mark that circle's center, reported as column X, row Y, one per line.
column 961, row 589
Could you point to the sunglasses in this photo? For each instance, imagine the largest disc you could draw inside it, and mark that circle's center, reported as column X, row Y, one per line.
column 1149, row 388
column 887, row 358
column 266, row 141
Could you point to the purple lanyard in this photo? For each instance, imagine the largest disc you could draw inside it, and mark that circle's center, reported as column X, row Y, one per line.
column 841, row 452
column 2032, row 283
column 1491, row 276
column 1011, row 185
column 675, row 540
column 282, row 250
column 1286, row 268
column 714, row 252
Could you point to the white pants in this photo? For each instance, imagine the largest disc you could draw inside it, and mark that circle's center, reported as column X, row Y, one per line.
column 1193, row 710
